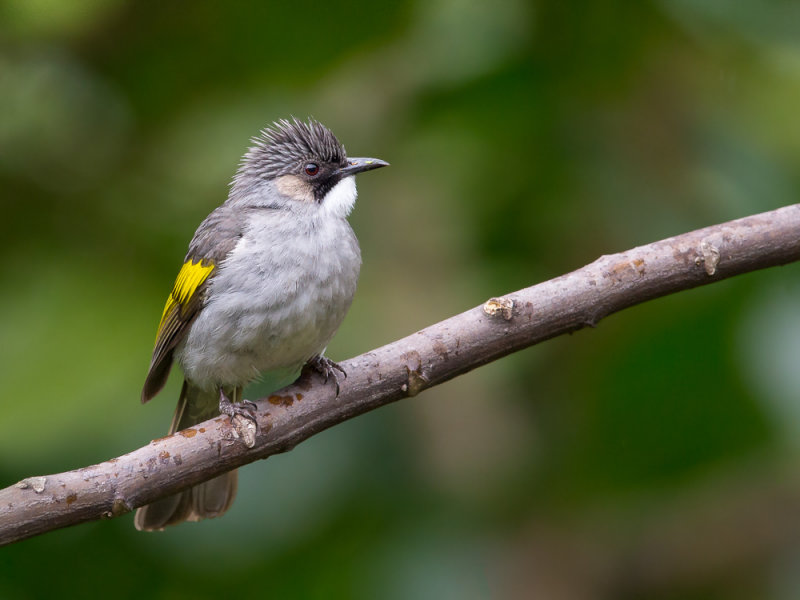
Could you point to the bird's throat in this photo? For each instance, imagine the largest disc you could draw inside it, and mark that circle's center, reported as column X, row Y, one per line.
column 339, row 201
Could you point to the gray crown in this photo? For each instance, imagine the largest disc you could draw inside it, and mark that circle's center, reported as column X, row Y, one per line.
column 282, row 147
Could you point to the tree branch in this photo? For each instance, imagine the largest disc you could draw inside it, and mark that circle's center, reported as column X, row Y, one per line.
column 401, row 369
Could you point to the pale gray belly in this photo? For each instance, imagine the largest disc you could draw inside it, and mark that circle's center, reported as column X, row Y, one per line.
column 271, row 307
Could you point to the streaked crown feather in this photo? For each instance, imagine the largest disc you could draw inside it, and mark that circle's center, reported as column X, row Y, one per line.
column 284, row 145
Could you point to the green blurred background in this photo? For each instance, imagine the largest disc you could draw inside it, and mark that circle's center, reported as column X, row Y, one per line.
column 652, row 457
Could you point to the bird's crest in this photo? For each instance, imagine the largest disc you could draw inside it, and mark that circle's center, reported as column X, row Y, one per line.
column 279, row 148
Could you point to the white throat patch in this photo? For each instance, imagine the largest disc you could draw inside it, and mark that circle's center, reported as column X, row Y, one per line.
column 340, row 200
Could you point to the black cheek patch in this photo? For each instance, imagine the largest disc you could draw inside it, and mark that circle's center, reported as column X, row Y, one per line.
column 322, row 187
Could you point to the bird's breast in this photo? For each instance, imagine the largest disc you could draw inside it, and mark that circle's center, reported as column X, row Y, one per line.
column 275, row 301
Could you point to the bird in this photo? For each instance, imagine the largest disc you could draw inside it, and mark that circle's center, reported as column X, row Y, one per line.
column 267, row 280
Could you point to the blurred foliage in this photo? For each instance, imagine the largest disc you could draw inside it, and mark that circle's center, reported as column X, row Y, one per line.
column 526, row 139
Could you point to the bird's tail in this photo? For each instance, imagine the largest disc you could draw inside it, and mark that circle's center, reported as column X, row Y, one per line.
column 204, row 501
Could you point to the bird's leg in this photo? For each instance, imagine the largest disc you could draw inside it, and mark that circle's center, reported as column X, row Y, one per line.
column 327, row 368
column 237, row 406
column 248, row 405
column 243, row 409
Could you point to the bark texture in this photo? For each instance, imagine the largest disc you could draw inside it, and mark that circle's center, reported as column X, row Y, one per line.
column 404, row 368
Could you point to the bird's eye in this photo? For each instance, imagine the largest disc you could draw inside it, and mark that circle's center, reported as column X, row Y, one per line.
column 311, row 169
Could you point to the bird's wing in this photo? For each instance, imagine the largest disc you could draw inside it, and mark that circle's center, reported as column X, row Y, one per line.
column 183, row 304
column 213, row 241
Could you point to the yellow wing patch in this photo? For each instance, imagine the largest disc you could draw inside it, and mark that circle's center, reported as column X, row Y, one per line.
column 190, row 277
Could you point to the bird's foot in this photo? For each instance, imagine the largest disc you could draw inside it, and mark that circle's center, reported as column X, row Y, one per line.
column 242, row 416
column 328, row 369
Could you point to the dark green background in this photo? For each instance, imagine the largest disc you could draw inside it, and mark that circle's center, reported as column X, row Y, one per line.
column 526, row 139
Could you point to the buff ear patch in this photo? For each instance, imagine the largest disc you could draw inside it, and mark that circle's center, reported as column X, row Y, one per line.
column 295, row 188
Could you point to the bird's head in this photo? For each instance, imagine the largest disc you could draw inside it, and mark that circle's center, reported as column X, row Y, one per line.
column 305, row 163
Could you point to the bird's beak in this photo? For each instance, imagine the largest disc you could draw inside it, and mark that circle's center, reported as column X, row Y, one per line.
column 359, row 165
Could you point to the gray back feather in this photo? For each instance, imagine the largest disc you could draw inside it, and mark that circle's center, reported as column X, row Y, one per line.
column 218, row 234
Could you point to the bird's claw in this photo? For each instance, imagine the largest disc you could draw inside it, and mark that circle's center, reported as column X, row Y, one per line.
column 244, row 409
column 328, row 369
